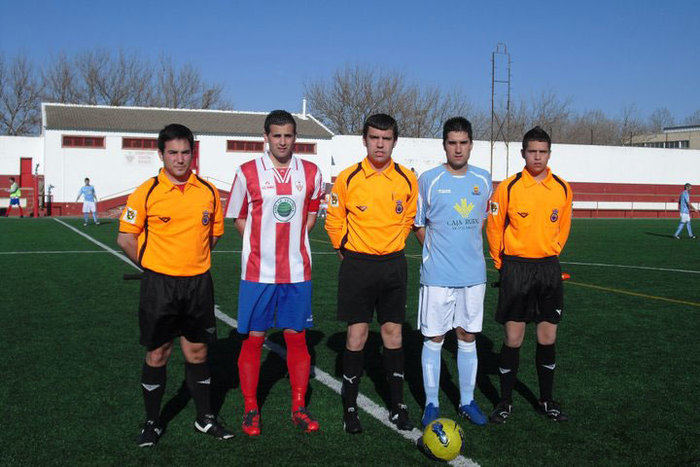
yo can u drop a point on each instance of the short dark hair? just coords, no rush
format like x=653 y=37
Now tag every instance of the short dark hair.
x=381 y=122
x=457 y=124
x=687 y=185
x=279 y=117
x=174 y=131
x=12 y=178
x=87 y=179
x=537 y=134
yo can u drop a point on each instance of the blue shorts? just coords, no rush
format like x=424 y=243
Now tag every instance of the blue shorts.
x=14 y=201
x=264 y=306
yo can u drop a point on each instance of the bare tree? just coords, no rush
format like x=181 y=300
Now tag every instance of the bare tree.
x=660 y=118
x=351 y=94
x=693 y=119
x=20 y=92
x=61 y=83
x=183 y=88
x=592 y=127
x=630 y=124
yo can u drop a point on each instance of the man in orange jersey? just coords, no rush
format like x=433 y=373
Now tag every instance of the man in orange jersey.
x=527 y=229
x=169 y=226
x=369 y=216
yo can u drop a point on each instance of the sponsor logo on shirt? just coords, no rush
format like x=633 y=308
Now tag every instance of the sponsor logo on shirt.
x=164 y=219
x=464 y=209
x=446 y=191
x=554 y=216
x=523 y=214
x=362 y=208
x=494 y=208
x=205 y=217
x=284 y=209
x=130 y=215
x=268 y=185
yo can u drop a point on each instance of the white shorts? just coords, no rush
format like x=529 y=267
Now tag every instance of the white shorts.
x=443 y=308
x=89 y=206
x=685 y=217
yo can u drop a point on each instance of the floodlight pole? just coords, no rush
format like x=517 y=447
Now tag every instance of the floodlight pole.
x=500 y=126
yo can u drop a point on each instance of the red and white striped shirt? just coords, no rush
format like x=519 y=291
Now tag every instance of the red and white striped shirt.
x=275 y=204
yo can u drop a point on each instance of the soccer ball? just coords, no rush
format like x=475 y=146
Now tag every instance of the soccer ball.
x=443 y=439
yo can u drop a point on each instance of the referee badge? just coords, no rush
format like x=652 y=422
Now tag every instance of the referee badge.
x=205 y=217
x=334 y=200
x=494 y=208
x=554 y=216
x=399 y=206
x=130 y=215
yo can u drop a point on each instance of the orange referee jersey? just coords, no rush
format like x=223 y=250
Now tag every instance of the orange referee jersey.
x=372 y=212
x=529 y=219
x=174 y=226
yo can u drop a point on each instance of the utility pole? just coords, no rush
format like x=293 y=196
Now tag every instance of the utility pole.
x=500 y=100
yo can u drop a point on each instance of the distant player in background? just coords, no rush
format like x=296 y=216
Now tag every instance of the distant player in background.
x=15 y=194
x=169 y=226
x=528 y=226
x=685 y=207
x=452 y=206
x=89 y=202
x=274 y=200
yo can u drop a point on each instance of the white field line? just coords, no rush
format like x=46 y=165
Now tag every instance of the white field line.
x=648 y=268
x=366 y=404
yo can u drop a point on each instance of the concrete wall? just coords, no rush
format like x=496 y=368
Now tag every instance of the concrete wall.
x=12 y=148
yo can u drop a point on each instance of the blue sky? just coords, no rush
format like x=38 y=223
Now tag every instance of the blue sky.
x=603 y=55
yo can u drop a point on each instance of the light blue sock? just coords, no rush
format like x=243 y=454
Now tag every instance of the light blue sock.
x=430 y=361
x=94 y=216
x=678 y=230
x=690 y=230
x=85 y=216
x=467 y=364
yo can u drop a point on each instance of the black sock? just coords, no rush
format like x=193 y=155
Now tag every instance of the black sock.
x=153 y=388
x=508 y=370
x=198 y=379
x=353 y=361
x=545 y=360
x=393 y=365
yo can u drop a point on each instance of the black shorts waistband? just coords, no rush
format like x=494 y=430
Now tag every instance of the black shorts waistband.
x=520 y=259
x=155 y=273
x=358 y=255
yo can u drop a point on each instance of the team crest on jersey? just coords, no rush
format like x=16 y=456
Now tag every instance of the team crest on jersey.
x=284 y=209
x=494 y=208
x=300 y=185
x=334 y=199
x=399 y=206
x=205 y=217
x=554 y=216
x=476 y=190
x=130 y=215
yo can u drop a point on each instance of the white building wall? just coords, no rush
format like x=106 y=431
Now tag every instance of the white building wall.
x=13 y=148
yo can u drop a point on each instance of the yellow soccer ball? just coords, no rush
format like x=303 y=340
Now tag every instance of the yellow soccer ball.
x=443 y=439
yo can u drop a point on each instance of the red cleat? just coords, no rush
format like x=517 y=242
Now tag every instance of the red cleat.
x=304 y=420
x=251 y=423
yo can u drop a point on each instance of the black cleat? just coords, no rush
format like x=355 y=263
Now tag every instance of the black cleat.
x=399 y=417
x=351 y=421
x=150 y=434
x=210 y=426
x=552 y=410
x=501 y=412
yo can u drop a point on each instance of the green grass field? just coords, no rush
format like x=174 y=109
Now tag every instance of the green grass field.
x=627 y=360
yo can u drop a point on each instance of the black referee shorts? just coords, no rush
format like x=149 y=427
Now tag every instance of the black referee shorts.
x=531 y=290
x=369 y=282
x=172 y=306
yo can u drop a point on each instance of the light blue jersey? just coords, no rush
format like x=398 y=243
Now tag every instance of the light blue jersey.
x=684 y=201
x=88 y=192
x=452 y=209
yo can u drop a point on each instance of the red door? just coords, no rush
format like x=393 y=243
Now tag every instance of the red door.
x=25 y=172
x=195 y=158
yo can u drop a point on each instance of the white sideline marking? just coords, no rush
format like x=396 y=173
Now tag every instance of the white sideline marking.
x=53 y=252
x=687 y=271
x=365 y=403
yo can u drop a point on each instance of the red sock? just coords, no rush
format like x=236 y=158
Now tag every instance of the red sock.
x=249 y=370
x=298 y=364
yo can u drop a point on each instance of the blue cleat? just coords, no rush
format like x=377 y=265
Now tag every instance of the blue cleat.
x=473 y=413
x=430 y=414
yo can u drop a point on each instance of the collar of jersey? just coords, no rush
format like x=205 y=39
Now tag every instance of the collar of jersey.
x=529 y=181
x=268 y=165
x=369 y=170
x=162 y=178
